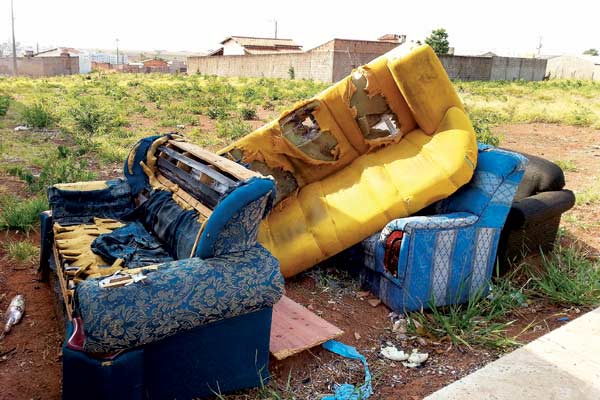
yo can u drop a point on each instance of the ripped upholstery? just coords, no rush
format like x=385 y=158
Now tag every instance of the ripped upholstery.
x=132 y=244
x=79 y=203
x=397 y=149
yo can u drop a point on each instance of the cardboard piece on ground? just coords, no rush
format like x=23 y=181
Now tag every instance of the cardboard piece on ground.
x=295 y=329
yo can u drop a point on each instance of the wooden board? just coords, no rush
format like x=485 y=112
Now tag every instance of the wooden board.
x=222 y=163
x=295 y=328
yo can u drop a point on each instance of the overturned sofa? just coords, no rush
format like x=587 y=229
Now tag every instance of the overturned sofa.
x=387 y=141
x=166 y=292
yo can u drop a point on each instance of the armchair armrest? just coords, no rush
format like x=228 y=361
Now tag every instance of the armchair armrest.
x=81 y=201
x=413 y=230
x=176 y=296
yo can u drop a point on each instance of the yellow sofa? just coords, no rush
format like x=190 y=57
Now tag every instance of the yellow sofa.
x=383 y=143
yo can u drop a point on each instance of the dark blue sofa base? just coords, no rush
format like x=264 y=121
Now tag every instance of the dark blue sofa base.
x=219 y=357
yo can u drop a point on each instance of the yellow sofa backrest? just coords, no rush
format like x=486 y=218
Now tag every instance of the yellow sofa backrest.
x=384 y=142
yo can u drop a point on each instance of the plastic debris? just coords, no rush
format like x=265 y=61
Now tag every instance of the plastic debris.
x=409 y=360
x=564 y=319
x=400 y=326
x=392 y=353
x=14 y=313
x=22 y=128
x=415 y=359
x=348 y=391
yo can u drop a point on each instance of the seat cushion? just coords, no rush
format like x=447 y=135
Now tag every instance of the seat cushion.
x=328 y=216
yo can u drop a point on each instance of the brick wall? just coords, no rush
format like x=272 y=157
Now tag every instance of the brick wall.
x=41 y=66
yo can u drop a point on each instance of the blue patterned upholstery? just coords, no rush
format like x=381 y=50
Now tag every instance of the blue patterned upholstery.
x=179 y=296
x=184 y=328
x=446 y=257
x=72 y=206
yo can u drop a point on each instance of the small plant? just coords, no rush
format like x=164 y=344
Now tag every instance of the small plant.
x=567 y=165
x=90 y=118
x=4 y=104
x=568 y=277
x=20 y=214
x=248 y=113
x=588 y=196
x=292 y=72
x=217 y=112
x=21 y=252
x=36 y=116
x=232 y=128
x=480 y=321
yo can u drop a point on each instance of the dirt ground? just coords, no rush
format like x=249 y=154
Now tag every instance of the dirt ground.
x=30 y=363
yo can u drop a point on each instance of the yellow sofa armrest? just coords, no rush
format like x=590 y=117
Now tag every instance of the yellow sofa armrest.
x=425 y=85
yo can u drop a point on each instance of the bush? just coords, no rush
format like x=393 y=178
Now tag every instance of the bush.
x=36 y=116
x=4 y=104
x=20 y=214
x=90 y=118
x=248 y=113
x=217 y=112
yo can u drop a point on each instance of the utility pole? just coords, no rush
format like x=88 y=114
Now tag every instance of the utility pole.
x=539 y=47
x=117 y=51
x=275 y=29
x=14 y=45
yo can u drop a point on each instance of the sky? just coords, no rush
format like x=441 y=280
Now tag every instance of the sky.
x=506 y=27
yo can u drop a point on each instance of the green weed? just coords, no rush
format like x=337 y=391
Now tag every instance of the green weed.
x=481 y=321
x=568 y=277
x=247 y=113
x=20 y=214
x=36 y=116
x=21 y=252
x=4 y=104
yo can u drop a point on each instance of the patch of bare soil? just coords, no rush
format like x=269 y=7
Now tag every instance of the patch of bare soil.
x=30 y=365
x=33 y=369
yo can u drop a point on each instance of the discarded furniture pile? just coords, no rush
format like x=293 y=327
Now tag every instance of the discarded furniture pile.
x=172 y=277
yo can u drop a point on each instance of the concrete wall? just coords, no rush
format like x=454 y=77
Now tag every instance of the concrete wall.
x=467 y=68
x=36 y=67
x=471 y=68
x=311 y=65
x=335 y=59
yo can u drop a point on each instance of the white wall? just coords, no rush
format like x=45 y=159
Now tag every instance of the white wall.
x=231 y=48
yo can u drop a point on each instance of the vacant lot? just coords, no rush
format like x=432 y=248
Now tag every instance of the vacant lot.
x=83 y=127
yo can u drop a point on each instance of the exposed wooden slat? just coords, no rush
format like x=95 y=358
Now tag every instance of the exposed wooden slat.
x=295 y=328
x=233 y=168
x=199 y=167
x=185 y=197
x=204 y=193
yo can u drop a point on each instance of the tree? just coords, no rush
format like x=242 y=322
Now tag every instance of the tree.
x=591 y=52
x=438 y=40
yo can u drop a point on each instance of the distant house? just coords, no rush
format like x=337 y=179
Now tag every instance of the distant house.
x=242 y=45
x=155 y=65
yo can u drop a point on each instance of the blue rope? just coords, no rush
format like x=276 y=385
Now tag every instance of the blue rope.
x=348 y=391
